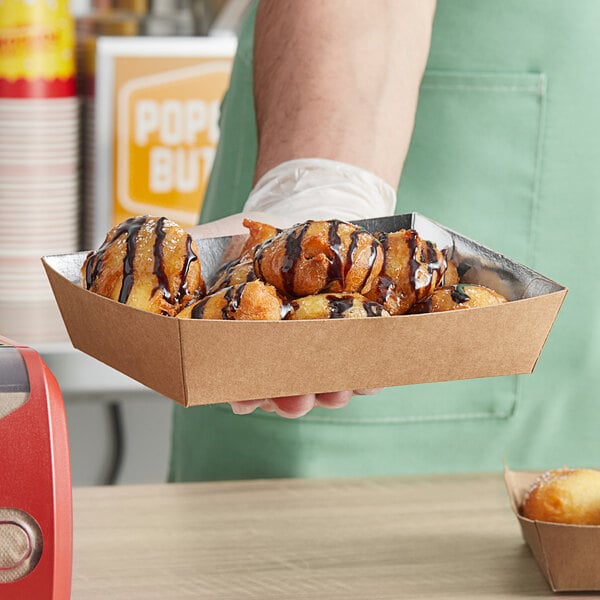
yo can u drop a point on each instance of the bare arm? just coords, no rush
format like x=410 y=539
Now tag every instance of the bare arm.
x=339 y=79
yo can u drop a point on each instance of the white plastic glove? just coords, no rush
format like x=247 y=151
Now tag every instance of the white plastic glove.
x=317 y=188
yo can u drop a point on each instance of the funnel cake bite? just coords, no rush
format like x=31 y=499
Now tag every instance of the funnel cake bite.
x=335 y=306
x=146 y=262
x=412 y=269
x=457 y=297
x=233 y=273
x=252 y=301
x=258 y=233
x=241 y=269
x=320 y=256
x=569 y=496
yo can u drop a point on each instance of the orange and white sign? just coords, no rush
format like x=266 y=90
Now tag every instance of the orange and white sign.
x=163 y=123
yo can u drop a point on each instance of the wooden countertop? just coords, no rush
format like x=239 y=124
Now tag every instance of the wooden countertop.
x=369 y=539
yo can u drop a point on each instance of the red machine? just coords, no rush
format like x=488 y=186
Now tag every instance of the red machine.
x=35 y=480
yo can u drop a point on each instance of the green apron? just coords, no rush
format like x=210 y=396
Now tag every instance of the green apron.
x=506 y=150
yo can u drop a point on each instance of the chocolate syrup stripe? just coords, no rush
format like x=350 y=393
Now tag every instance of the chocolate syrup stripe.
x=159 y=261
x=199 y=307
x=373 y=309
x=130 y=227
x=428 y=259
x=432 y=259
x=340 y=265
x=384 y=285
x=232 y=296
x=336 y=270
x=94 y=259
x=293 y=249
x=458 y=294
x=128 y=269
x=413 y=263
x=224 y=275
x=159 y=266
x=190 y=257
x=355 y=235
x=338 y=305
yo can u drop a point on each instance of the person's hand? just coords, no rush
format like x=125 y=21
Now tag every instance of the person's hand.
x=292 y=407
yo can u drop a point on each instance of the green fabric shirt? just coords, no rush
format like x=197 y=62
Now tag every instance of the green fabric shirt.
x=506 y=151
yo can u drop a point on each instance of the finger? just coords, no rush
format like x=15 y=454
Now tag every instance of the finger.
x=267 y=405
x=293 y=407
x=333 y=400
x=245 y=407
x=367 y=391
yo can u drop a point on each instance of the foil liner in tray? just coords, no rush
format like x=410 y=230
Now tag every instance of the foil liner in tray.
x=204 y=361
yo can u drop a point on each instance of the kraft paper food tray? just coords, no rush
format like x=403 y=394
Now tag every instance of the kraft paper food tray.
x=206 y=361
x=567 y=555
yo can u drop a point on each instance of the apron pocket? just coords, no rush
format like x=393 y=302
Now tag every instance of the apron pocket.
x=475 y=157
x=474 y=166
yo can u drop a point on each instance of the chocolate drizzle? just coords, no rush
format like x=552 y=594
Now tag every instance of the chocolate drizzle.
x=355 y=236
x=373 y=309
x=383 y=238
x=293 y=248
x=130 y=227
x=233 y=297
x=190 y=257
x=458 y=294
x=287 y=308
x=128 y=269
x=159 y=261
x=434 y=264
x=384 y=288
x=384 y=285
x=336 y=271
x=413 y=262
x=338 y=305
x=224 y=276
x=424 y=263
x=199 y=307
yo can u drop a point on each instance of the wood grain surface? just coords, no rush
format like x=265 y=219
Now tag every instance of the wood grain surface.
x=437 y=537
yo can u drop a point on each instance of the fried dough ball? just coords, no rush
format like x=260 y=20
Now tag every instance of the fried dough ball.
x=252 y=301
x=233 y=273
x=460 y=296
x=564 y=495
x=412 y=269
x=320 y=256
x=450 y=274
x=146 y=262
x=258 y=233
x=335 y=306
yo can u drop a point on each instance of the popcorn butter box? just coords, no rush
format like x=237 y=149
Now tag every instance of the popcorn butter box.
x=568 y=555
x=195 y=362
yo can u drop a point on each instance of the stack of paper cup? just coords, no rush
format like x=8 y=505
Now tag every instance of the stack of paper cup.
x=39 y=164
x=115 y=23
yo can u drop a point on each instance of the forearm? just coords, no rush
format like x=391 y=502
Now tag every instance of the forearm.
x=339 y=79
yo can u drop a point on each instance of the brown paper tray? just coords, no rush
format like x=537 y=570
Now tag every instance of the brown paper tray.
x=567 y=555
x=204 y=361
